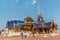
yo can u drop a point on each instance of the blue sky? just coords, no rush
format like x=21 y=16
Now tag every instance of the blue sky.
x=18 y=9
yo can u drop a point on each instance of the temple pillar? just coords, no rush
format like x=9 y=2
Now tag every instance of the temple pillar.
x=52 y=30
x=47 y=31
x=44 y=31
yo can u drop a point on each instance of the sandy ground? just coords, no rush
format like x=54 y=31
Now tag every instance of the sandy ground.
x=57 y=37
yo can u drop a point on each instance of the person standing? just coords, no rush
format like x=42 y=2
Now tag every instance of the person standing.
x=22 y=34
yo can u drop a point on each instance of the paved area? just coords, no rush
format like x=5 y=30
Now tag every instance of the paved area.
x=57 y=37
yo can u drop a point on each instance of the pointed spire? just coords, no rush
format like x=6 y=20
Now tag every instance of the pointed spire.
x=38 y=8
x=39 y=14
x=40 y=18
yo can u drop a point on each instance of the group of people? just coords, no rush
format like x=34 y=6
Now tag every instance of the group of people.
x=25 y=35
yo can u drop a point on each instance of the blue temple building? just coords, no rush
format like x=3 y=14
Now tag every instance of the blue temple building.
x=29 y=25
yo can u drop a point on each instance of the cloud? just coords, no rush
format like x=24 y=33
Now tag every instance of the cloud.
x=34 y=2
x=17 y=1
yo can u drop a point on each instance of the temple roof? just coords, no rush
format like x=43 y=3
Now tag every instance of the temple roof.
x=45 y=25
x=9 y=23
x=29 y=18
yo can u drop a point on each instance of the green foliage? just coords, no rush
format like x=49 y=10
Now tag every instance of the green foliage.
x=0 y=32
